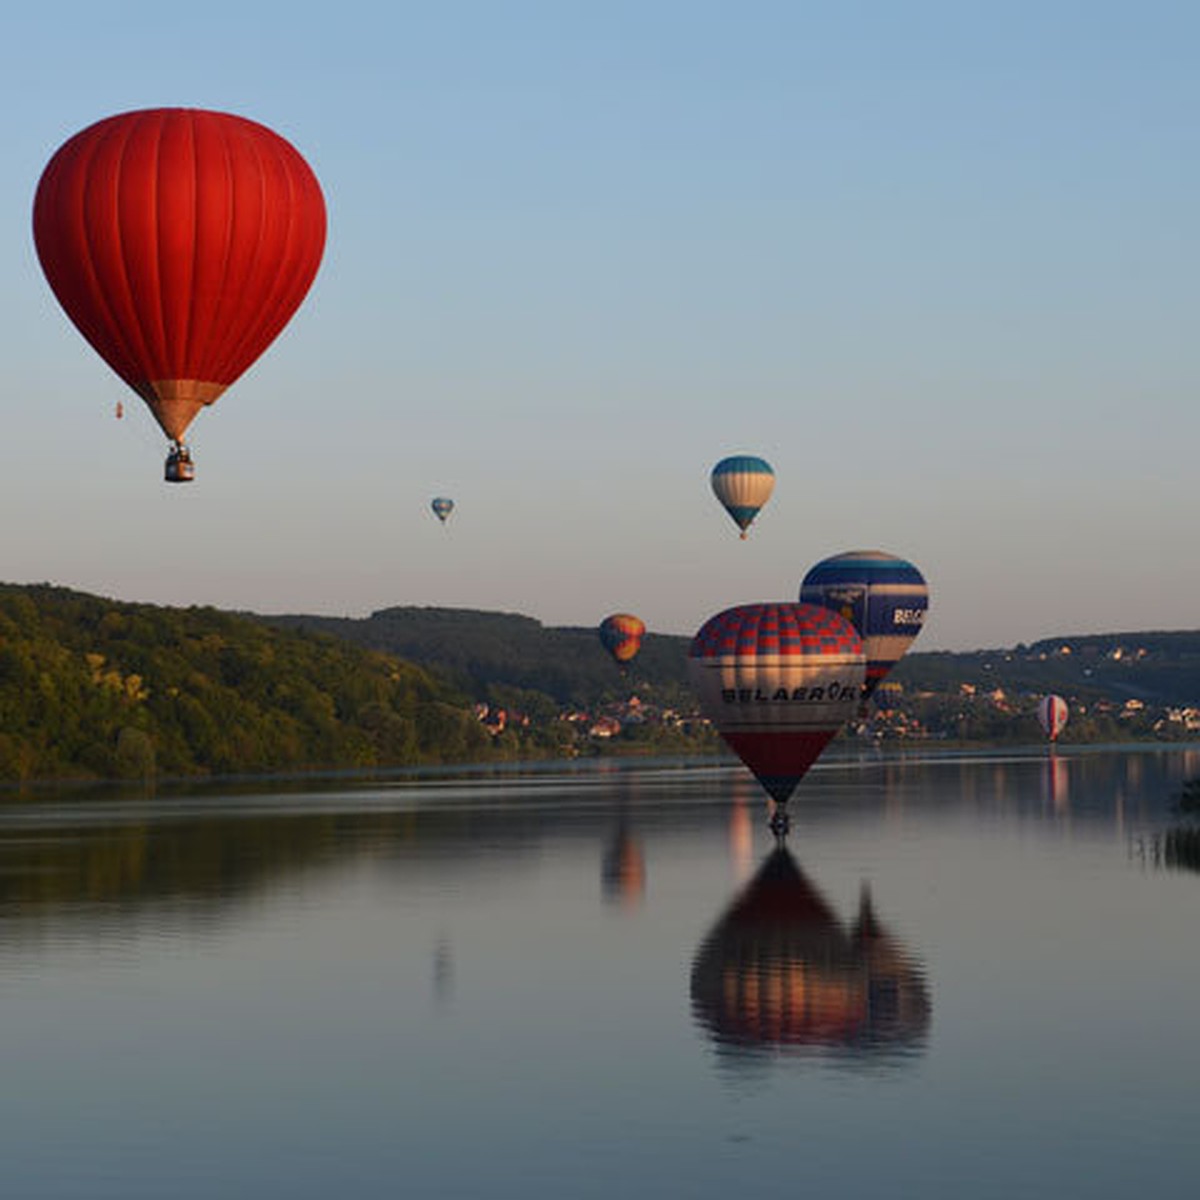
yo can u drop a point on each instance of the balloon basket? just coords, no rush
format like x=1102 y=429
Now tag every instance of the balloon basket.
x=179 y=467
x=780 y=822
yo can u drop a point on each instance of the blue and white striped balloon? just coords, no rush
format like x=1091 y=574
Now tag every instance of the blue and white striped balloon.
x=883 y=596
x=743 y=483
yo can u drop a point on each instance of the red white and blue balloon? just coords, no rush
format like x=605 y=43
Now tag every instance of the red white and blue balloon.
x=1052 y=716
x=778 y=681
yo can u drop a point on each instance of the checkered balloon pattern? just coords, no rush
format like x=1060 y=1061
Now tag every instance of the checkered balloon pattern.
x=776 y=629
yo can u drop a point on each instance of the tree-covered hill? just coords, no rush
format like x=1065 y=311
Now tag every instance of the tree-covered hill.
x=92 y=688
x=97 y=688
x=1161 y=668
x=497 y=656
x=480 y=651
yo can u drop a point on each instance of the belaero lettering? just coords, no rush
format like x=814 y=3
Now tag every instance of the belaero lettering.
x=798 y=695
x=908 y=616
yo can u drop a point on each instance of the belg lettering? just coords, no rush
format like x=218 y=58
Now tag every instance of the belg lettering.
x=908 y=616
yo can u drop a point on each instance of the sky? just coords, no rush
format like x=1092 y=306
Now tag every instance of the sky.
x=936 y=262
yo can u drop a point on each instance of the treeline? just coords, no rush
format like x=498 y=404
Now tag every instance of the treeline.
x=505 y=658
x=98 y=689
x=484 y=653
x=92 y=688
x=1161 y=668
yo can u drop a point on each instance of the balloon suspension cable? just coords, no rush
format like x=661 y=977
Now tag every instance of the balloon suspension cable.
x=780 y=824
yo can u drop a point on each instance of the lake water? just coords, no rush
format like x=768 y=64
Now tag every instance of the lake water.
x=962 y=976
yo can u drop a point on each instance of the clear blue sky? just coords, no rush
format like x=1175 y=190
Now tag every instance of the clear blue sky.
x=937 y=262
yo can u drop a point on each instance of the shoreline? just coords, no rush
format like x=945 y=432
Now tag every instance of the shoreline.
x=838 y=757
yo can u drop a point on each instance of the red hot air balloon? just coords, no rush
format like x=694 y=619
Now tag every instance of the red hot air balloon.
x=180 y=242
x=778 y=681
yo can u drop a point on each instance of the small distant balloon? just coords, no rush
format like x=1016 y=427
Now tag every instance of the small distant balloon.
x=621 y=635
x=1052 y=716
x=442 y=507
x=778 y=681
x=742 y=483
x=884 y=597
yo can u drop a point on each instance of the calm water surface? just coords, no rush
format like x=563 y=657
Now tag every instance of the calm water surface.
x=961 y=976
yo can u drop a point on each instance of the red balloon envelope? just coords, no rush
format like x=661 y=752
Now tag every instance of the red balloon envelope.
x=180 y=242
x=778 y=681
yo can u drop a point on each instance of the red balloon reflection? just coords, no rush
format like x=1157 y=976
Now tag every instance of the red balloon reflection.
x=780 y=972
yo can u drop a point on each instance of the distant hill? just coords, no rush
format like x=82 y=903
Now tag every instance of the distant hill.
x=480 y=651
x=1159 y=668
x=92 y=688
x=489 y=654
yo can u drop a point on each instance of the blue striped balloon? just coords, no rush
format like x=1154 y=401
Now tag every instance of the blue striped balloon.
x=883 y=596
x=442 y=507
x=743 y=483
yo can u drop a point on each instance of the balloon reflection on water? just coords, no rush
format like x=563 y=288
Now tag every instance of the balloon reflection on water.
x=780 y=974
x=623 y=870
x=1057 y=788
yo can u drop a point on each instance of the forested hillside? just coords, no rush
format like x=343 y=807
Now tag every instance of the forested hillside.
x=497 y=656
x=1161 y=668
x=95 y=688
x=481 y=651
x=92 y=688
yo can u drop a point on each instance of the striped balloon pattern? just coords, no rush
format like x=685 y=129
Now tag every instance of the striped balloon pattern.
x=1052 y=716
x=621 y=635
x=442 y=507
x=778 y=681
x=743 y=484
x=883 y=596
x=781 y=971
